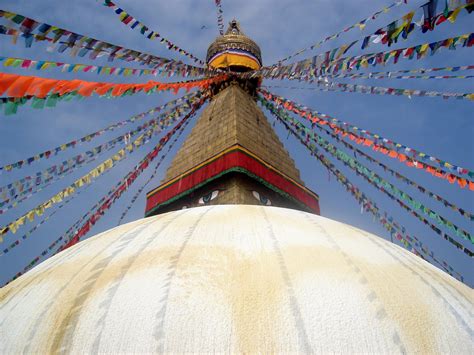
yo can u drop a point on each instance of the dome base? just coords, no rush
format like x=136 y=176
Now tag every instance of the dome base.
x=236 y=278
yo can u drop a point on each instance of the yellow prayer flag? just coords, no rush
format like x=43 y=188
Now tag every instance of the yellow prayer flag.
x=123 y=15
x=13 y=227
x=94 y=173
x=109 y=163
x=454 y=15
x=408 y=18
x=79 y=183
x=424 y=48
x=40 y=210
x=9 y=62
x=21 y=221
x=30 y=215
x=56 y=198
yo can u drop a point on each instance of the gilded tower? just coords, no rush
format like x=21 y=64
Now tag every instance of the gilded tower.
x=232 y=155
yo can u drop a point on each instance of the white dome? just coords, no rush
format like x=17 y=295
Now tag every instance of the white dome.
x=236 y=279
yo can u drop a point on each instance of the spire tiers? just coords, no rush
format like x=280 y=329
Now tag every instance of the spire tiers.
x=232 y=156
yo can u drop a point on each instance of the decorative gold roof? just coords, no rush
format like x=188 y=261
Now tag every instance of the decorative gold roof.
x=234 y=50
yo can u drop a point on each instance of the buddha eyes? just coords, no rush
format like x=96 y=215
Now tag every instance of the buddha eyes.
x=263 y=199
x=208 y=197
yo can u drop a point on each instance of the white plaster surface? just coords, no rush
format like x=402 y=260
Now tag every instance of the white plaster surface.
x=231 y=279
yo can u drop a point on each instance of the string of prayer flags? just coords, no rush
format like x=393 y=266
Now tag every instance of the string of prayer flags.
x=220 y=17
x=76 y=232
x=326 y=63
x=405 y=25
x=397 y=175
x=11 y=104
x=31 y=184
x=411 y=157
x=62 y=40
x=75 y=68
x=82 y=181
x=153 y=174
x=388 y=222
x=26 y=194
x=402 y=27
x=412 y=206
x=409 y=203
x=324 y=85
x=65 y=202
x=85 y=223
x=382 y=58
x=129 y=20
x=45 y=219
x=16 y=86
x=422 y=70
x=360 y=25
x=87 y=138
x=391 y=75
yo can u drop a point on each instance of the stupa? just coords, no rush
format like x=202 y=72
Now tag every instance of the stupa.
x=235 y=258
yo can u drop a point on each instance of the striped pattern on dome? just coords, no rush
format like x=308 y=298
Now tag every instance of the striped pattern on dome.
x=236 y=278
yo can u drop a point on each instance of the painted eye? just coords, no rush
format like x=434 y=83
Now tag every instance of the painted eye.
x=263 y=199
x=208 y=197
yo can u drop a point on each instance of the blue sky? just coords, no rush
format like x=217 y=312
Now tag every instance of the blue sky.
x=443 y=128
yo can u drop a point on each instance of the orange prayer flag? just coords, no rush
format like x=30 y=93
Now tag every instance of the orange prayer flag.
x=104 y=89
x=462 y=182
x=393 y=154
x=120 y=89
x=116 y=89
x=88 y=88
x=35 y=85
x=67 y=86
x=471 y=185
x=368 y=142
x=149 y=86
x=20 y=86
x=6 y=80
x=451 y=178
x=42 y=87
x=402 y=157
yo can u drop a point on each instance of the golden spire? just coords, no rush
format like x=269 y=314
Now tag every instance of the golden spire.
x=234 y=51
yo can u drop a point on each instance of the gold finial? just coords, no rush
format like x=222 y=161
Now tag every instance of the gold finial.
x=234 y=51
